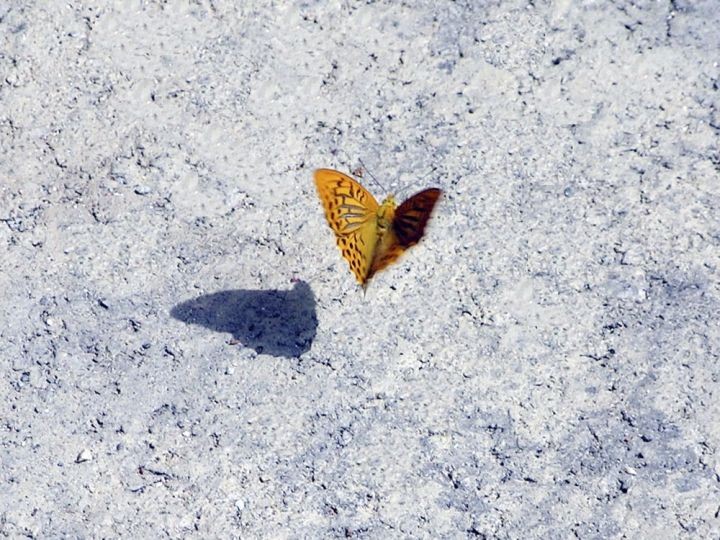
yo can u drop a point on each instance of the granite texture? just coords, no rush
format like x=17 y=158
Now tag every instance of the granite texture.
x=184 y=353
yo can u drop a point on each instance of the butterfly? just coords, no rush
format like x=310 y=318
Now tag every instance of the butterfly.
x=371 y=236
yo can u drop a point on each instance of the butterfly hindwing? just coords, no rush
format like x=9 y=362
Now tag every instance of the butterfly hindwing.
x=351 y=212
x=388 y=251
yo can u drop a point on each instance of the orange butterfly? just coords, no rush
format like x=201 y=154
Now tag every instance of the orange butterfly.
x=371 y=236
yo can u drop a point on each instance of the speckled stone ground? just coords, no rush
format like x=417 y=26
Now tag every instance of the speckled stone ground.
x=183 y=352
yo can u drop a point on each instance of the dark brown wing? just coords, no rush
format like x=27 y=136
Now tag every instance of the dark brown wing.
x=412 y=216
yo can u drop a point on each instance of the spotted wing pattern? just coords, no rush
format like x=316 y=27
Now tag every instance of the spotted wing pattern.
x=351 y=211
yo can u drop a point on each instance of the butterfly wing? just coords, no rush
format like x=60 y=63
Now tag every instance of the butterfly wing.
x=351 y=211
x=408 y=227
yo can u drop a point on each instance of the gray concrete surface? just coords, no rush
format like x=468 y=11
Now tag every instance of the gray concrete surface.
x=183 y=352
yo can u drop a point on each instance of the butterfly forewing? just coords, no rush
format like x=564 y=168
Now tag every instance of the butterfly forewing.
x=412 y=216
x=351 y=212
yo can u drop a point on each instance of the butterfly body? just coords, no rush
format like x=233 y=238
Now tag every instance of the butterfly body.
x=386 y=214
x=371 y=236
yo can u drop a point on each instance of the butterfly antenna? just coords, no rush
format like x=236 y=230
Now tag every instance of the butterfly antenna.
x=372 y=176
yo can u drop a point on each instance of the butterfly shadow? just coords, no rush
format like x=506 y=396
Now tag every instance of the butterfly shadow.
x=275 y=322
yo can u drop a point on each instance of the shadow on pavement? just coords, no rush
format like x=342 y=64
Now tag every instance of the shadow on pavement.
x=274 y=322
